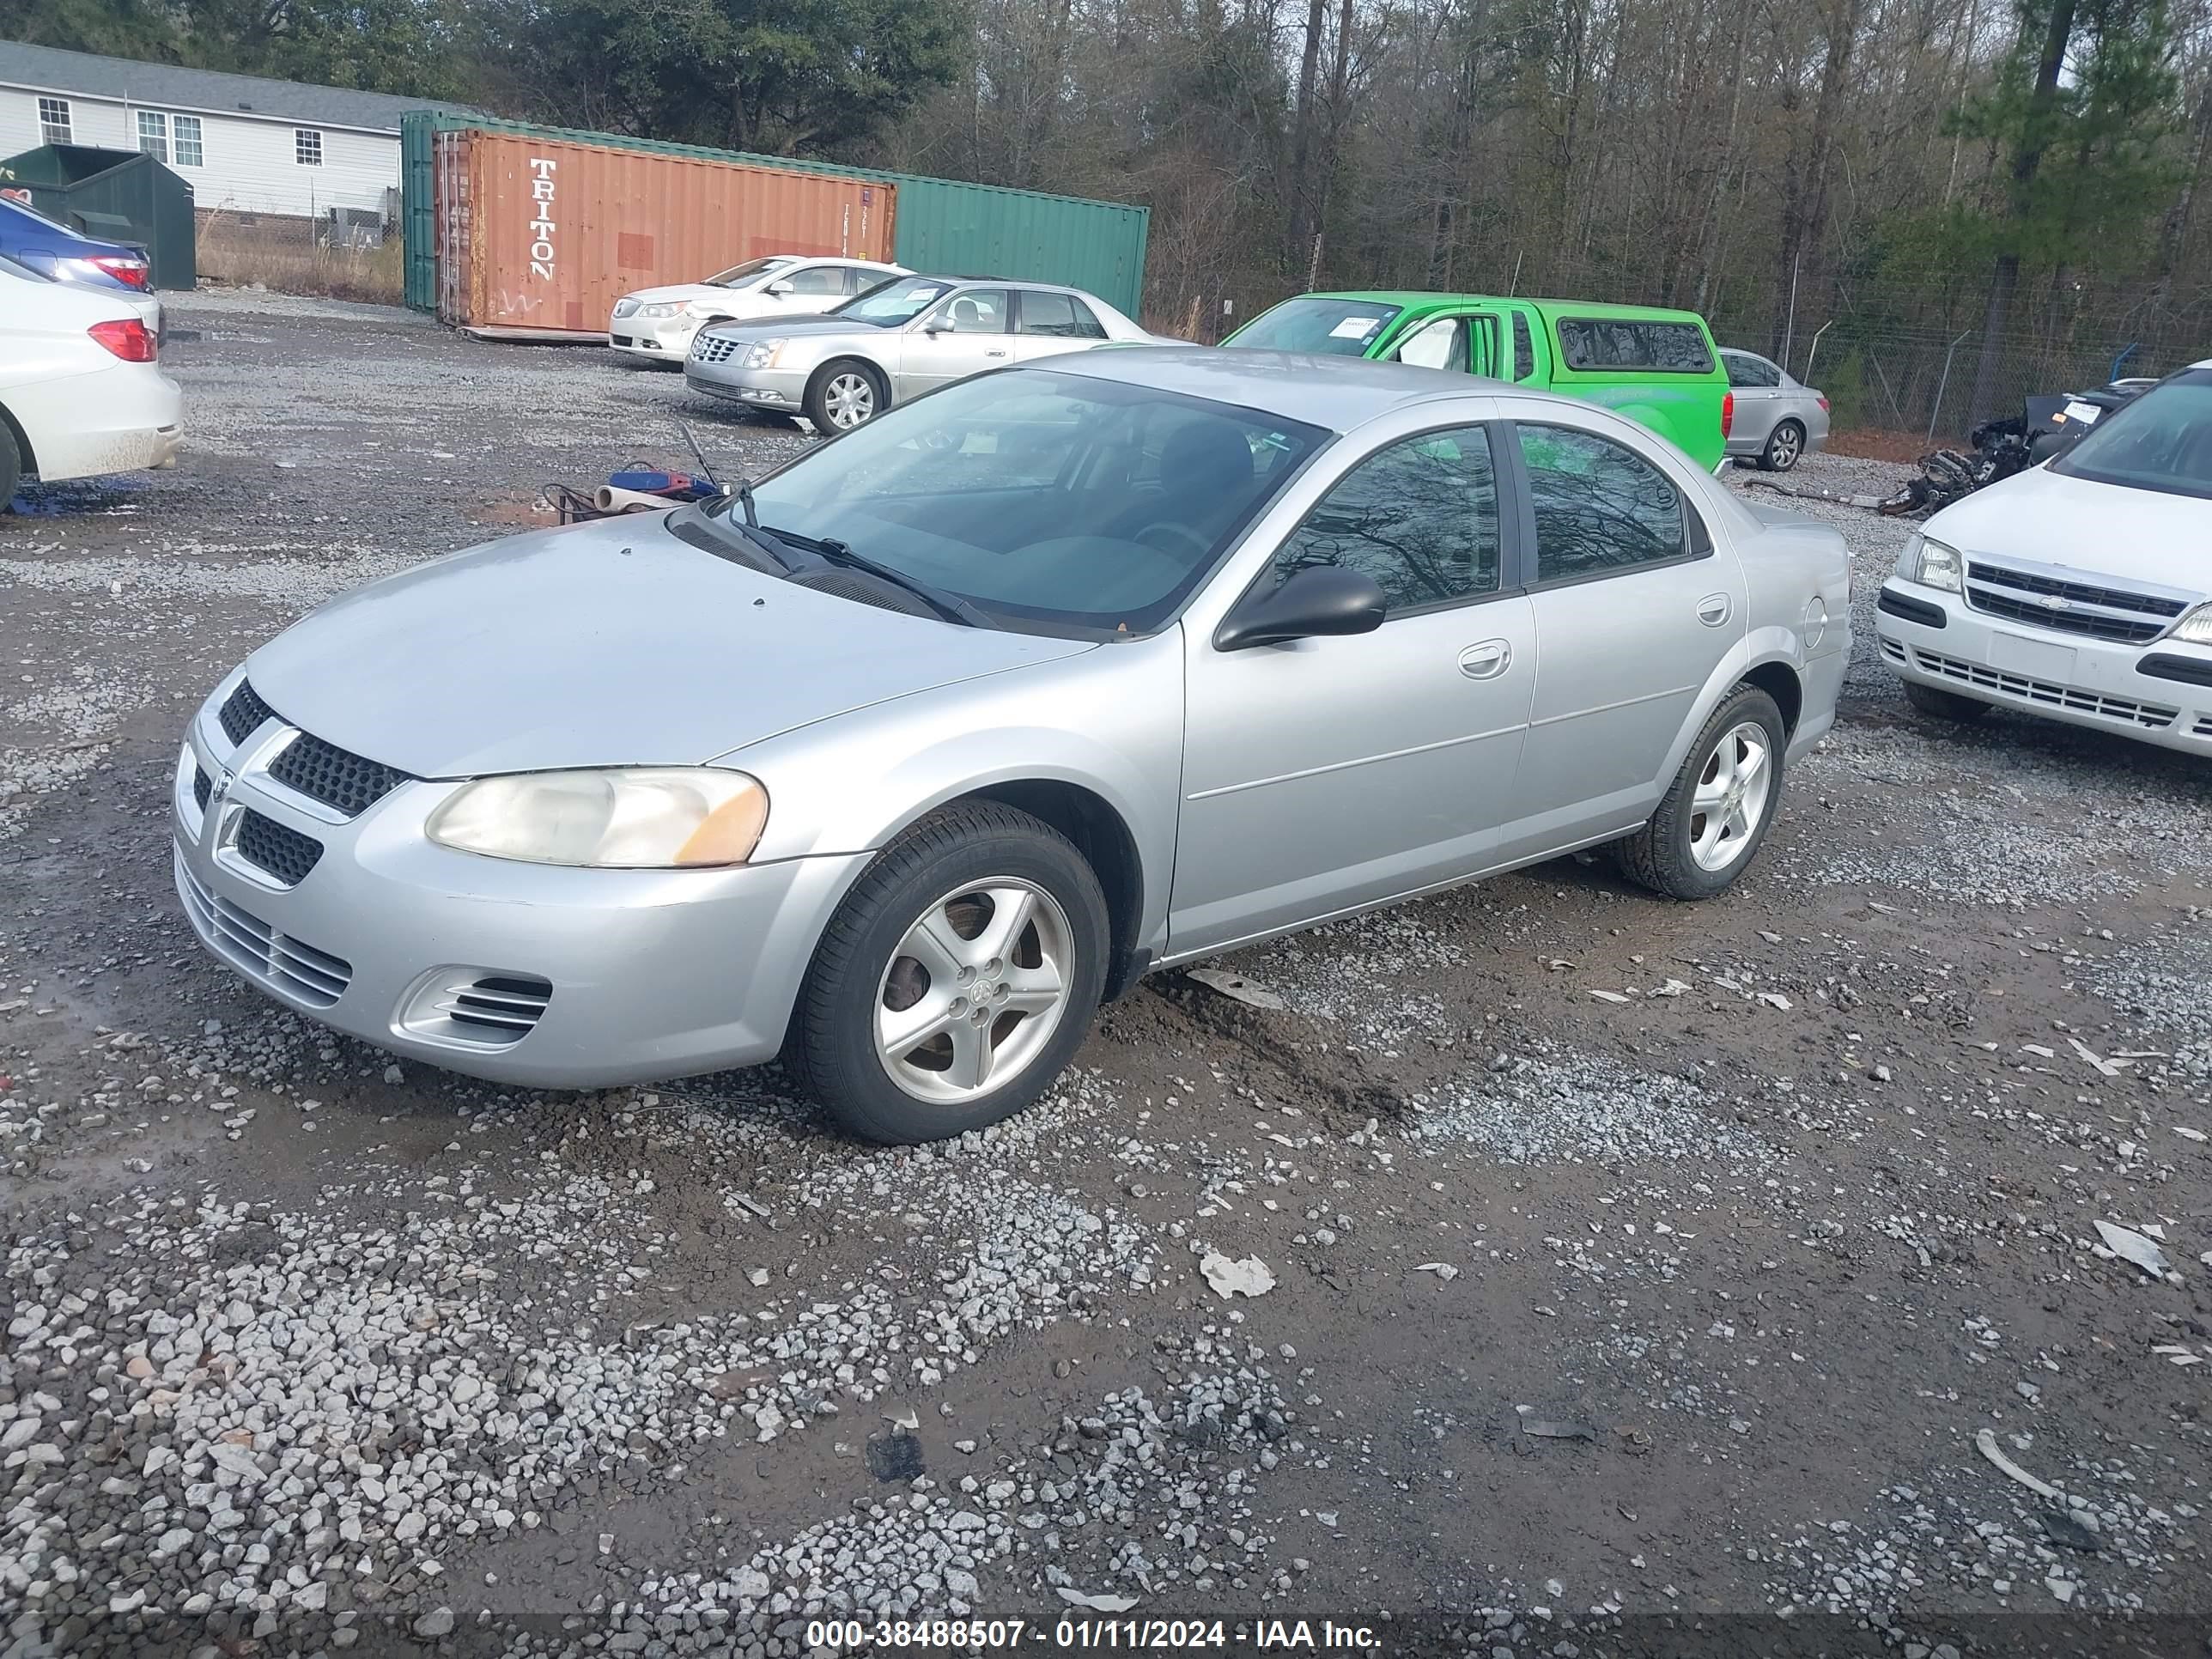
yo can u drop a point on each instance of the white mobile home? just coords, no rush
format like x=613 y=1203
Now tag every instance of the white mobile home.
x=248 y=146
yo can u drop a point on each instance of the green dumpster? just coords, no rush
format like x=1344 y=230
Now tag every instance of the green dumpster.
x=115 y=195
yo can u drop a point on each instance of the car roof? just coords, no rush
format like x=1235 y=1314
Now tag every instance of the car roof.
x=1427 y=299
x=1335 y=393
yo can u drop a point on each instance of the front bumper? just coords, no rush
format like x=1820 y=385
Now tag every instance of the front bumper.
x=2058 y=675
x=783 y=389
x=658 y=340
x=523 y=973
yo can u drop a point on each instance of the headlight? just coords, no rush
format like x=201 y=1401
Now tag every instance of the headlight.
x=2196 y=627
x=761 y=354
x=659 y=309
x=1938 y=566
x=624 y=307
x=664 y=818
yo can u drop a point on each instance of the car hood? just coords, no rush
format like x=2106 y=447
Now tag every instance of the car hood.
x=680 y=292
x=608 y=643
x=2143 y=535
x=788 y=327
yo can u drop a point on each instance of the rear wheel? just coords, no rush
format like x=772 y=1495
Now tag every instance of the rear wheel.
x=845 y=394
x=956 y=981
x=1784 y=446
x=1943 y=705
x=1718 y=810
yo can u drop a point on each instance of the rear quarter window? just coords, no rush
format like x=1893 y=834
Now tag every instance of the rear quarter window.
x=1608 y=344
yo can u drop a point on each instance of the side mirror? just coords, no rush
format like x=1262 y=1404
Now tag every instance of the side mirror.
x=935 y=326
x=1321 y=599
x=779 y=287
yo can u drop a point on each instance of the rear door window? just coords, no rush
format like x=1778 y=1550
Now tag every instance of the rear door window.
x=1601 y=343
x=1062 y=316
x=1749 y=372
x=1601 y=508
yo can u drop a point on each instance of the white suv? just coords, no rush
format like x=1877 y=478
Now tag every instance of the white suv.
x=2079 y=590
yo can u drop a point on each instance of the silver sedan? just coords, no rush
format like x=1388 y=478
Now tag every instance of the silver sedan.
x=1778 y=420
x=898 y=341
x=900 y=762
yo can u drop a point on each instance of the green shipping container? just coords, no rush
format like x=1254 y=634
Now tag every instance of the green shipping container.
x=116 y=196
x=942 y=225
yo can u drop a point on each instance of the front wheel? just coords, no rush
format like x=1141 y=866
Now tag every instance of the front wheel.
x=1717 y=811
x=845 y=395
x=956 y=981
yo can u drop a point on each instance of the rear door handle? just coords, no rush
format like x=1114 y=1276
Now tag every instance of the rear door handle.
x=1713 y=609
x=1487 y=661
x=995 y=354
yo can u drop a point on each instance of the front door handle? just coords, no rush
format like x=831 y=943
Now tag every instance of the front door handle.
x=995 y=354
x=1487 y=661
x=1713 y=609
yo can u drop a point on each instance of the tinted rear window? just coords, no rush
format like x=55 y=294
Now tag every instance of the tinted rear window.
x=1607 y=342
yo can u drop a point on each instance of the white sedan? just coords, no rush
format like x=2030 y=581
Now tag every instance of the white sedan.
x=655 y=325
x=80 y=394
x=2079 y=590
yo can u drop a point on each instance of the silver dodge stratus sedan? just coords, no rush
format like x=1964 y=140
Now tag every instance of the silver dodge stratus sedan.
x=901 y=761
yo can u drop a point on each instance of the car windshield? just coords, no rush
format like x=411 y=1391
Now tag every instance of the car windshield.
x=1336 y=328
x=2161 y=441
x=1053 y=501
x=889 y=303
x=746 y=275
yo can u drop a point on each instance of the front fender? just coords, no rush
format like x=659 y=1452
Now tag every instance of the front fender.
x=1108 y=722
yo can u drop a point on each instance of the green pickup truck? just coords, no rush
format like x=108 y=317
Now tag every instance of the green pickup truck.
x=1657 y=367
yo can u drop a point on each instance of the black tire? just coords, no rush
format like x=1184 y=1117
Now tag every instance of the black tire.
x=1658 y=856
x=817 y=401
x=1943 y=705
x=11 y=467
x=831 y=1048
x=1785 y=445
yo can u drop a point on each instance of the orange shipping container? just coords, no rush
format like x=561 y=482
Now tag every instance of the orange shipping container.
x=545 y=234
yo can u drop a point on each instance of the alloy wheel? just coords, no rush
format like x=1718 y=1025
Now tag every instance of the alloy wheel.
x=974 y=990
x=1783 y=446
x=1730 y=801
x=851 y=399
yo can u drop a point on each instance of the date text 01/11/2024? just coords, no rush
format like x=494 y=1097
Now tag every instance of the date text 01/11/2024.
x=975 y=1634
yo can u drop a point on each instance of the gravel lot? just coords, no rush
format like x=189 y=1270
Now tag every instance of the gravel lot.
x=1596 y=1326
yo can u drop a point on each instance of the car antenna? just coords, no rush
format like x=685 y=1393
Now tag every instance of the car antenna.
x=742 y=488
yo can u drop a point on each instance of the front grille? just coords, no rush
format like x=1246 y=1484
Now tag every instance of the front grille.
x=243 y=712
x=2147 y=715
x=1893 y=650
x=713 y=349
x=2069 y=607
x=624 y=307
x=202 y=786
x=622 y=339
x=254 y=948
x=2203 y=728
x=323 y=771
x=284 y=852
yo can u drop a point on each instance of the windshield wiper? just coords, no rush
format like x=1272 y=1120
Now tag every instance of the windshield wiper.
x=950 y=606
